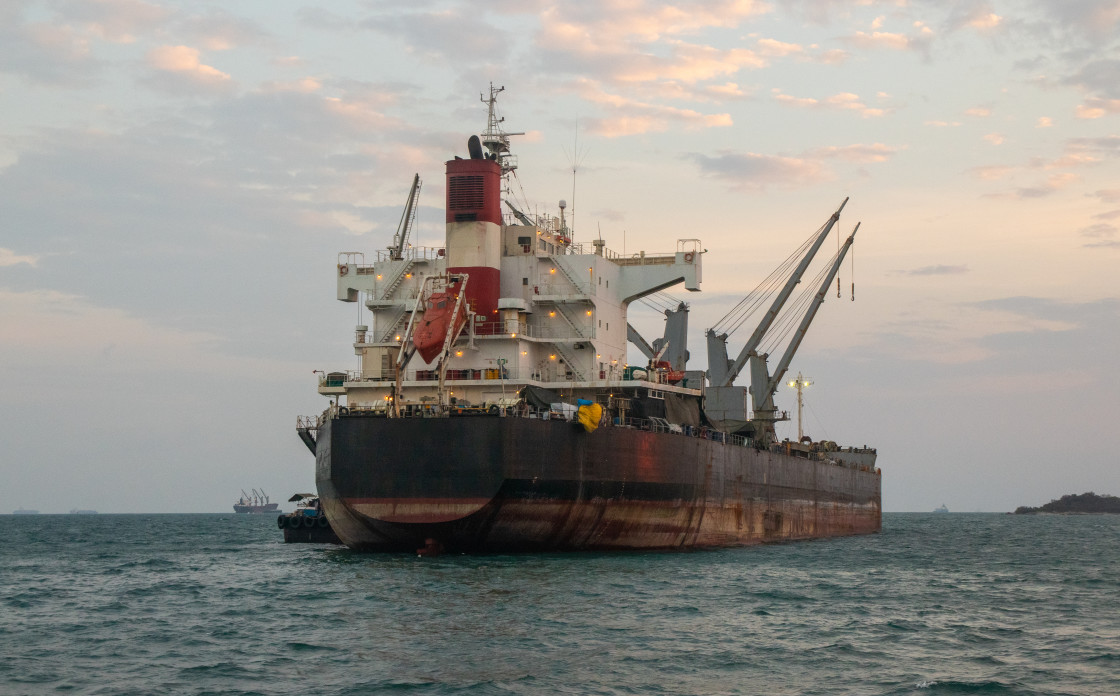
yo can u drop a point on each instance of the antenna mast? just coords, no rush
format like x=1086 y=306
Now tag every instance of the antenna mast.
x=799 y=384
x=495 y=139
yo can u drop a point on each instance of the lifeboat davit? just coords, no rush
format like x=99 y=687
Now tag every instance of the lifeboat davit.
x=671 y=376
x=431 y=332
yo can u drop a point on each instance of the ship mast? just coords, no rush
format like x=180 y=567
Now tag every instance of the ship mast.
x=495 y=139
x=799 y=384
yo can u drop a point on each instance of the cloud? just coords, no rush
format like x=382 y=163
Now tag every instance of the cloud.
x=942 y=124
x=919 y=40
x=118 y=21
x=979 y=111
x=644 y=21
x=1097 y=108
x=11 y=258
x=1044 y=122
x=994 y=138
x=306 y=85
x=750 y=170
x=833 y=56
x=772 y=48
x=1108 y=195
x=875 y=152
x=1099 y=76
x=754 y=171
x=184 y=61
x=218 y=30
x=991 y=172
x=456 y=34
x=1093 y=20
x=633 y=117
x=44 y=52
x=1106 y=146
x=1102 y=235
x=844 y=101
x=647 y=51
x=1054 y=183
x=985 y=21
x=936 y=270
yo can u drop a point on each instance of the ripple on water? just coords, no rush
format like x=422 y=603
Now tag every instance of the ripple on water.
x=957 y=604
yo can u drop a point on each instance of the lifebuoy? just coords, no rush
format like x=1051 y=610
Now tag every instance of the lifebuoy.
x=294 y=522
x=493 y=409
x=688 y=257
x=322 y=521
x=309 y=522
x=343 y=269
x=280 y=521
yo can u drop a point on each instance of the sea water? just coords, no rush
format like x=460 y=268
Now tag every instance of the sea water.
x=217 y=604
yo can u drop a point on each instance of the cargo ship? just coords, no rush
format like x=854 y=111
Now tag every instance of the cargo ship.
x=254 y=504
x=493 y=409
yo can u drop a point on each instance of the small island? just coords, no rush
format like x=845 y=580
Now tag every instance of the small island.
x=1076 y=504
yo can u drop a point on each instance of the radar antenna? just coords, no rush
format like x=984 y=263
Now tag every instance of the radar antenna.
x=495 y=139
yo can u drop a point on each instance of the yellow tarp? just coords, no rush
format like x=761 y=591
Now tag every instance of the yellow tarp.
x=588 y=416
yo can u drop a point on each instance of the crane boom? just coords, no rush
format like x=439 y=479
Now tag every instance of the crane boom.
x=726 y=379
x=766 y=393
x=396 y=251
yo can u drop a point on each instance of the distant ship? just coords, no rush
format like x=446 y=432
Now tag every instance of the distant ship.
x=76 y=511
x=493 y=409
x=254 y=504
x=22 y=511
x=941 y=509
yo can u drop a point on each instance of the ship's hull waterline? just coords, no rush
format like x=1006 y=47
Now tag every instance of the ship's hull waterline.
x=486 y=484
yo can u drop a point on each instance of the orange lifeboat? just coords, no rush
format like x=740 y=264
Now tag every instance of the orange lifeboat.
x=671 y=376
x=431 y=332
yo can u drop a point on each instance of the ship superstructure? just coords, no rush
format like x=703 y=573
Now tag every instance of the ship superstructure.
x=512 y=321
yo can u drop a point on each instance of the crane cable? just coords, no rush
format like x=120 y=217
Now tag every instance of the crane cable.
x=746 y=307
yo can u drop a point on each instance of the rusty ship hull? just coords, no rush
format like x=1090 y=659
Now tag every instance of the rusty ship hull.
x=523 y=484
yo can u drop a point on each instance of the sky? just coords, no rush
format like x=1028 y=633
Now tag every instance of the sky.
x=178 y=178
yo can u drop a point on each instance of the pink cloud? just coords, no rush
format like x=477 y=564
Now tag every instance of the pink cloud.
x=844 y=101
x=11 y=258
x=183 y=60
x=751 y=170
x=991 y=172
x=632 y=117
x=770 y=47
x=875 y=152
x=1097 y=108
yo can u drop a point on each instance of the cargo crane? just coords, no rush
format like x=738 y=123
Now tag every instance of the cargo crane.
x=670 y=352
x=725 y=404
x=408 y=219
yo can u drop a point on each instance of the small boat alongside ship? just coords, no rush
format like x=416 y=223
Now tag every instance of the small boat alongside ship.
x=306 y=524
x=566 y=447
